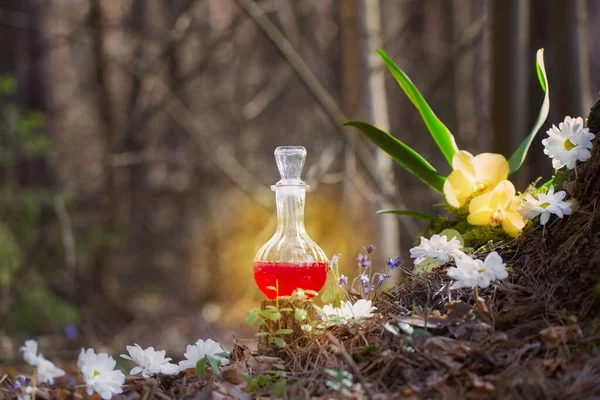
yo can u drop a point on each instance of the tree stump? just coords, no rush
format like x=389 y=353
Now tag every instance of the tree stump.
x=287 y=321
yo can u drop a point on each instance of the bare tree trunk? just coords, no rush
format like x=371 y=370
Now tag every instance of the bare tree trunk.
x=511 y=62
x=350 y=97
x=463 y=74
x=389 y=235
x=571 y=57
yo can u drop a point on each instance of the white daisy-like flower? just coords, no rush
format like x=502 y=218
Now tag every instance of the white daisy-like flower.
x=545 y=205
x=349 y=312
x=471 y=272
x=568 y=143
x=27 y=393
x=99 y=374
x=30 y=352
x=199 y=350
x=438 y=248
x=149 y=361
x=47 y=371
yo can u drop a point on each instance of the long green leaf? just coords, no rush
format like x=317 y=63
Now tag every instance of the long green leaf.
x=414 y=214
x=440 y=133
x=402 y=154
x=516 y=160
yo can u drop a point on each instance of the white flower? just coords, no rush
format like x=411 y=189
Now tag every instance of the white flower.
x=362 y=309
x=406 y=328
x=99 y=374
x=568 y=143
x=545 y=205
x=199 y=350
x=47 y=371
x=471 y=272
x=437 y=248
x=395 y=329
x=349 y=312
x=391 y=328
x=28 y=393
x=149 y=361
x=30 y=352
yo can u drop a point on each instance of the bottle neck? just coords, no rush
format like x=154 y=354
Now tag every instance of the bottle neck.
x=290 y=209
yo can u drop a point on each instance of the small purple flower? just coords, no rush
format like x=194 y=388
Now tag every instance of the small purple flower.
x=369 y=249
x=71 y=331
x=394 y=263
x=333 y=260
x=343 y=281
x=363 y=261
x=320 y=316
x=363 y=279
x=20 y=382
x=382 y=277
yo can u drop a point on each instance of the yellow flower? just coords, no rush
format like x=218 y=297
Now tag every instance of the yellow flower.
x=498 y=207
x=471 y=175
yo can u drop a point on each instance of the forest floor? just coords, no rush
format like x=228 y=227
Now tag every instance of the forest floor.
x=508 y=345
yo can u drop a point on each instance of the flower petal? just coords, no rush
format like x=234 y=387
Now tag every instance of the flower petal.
x=504 y=194
x=513 y=223
x=490 y=168
x=463 y=160
x=458 y=188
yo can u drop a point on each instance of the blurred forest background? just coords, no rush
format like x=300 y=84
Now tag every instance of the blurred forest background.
x=137 y=138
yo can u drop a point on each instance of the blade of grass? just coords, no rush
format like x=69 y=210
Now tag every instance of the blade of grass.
x=518 y=157
x=402 y=154
x=440 y=133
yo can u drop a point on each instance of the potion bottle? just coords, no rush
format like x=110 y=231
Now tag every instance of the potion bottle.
x=290 y=259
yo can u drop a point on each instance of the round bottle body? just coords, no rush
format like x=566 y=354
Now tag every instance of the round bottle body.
x=290 y=260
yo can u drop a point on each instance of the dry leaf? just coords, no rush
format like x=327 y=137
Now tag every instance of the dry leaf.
x=554 y=336
x=448 y=351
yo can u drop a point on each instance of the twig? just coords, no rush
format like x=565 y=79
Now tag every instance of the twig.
x=351 y=364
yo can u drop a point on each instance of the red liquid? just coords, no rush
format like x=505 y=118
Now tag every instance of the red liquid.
x=291 y=276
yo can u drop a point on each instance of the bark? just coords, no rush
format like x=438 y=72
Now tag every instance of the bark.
x=378 y=115
x=510 y=71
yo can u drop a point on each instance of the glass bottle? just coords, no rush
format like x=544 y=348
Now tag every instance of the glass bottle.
x=290 y=259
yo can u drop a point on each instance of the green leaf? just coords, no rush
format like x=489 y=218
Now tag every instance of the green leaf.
x=300 y=314
x=548 y=184
x=414 y=214
x=422 y=332
x=285 y=331
x=311 y=292
x=453 y=233
x=200 y=366
x=286 y=309
x=427 y=265
x=215 y=364
x=402 y=154
x=253 y=317
x=279 y=342
x=260 y=334
x=516 y=160
x=440 y=133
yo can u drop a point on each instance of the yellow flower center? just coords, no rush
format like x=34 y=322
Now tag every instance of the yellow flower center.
x=96 y=373
x=497 y=217
x=568 y=145
x=544 y=205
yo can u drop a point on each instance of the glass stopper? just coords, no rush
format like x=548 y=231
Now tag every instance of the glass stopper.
x=290 y=162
